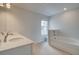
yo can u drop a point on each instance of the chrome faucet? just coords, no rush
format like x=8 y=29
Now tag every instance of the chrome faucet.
x=6 y=35
x=2 y=33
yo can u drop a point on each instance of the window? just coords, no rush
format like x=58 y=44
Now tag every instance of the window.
x=44 y=27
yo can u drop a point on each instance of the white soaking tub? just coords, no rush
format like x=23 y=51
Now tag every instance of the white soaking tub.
x=16 y=45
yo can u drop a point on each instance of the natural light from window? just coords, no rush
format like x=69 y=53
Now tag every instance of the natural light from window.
x=44 y=27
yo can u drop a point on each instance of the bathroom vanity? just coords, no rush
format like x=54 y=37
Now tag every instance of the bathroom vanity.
x=16 y=45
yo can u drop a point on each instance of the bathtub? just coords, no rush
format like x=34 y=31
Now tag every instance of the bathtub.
x=16 y=45
x=69 y=45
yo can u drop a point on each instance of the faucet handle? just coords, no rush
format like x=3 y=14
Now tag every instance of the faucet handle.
x=2 y=33
x=0 y=40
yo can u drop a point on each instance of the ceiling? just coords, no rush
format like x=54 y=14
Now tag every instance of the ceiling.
x=47 y=9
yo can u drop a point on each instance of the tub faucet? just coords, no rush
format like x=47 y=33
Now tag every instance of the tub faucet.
x=2 y=33
x=7 y=34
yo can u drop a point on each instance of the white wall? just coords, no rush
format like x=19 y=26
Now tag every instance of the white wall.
x=67 y=23
x=22 y=21
x=2 y=19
